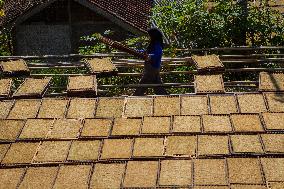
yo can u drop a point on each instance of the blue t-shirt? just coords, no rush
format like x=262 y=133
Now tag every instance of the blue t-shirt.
x=156 y=53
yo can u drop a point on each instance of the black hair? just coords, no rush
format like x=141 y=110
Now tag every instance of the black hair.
x=155 y=36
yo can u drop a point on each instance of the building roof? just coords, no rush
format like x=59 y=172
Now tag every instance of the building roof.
x=134 y=12
x=207 y=139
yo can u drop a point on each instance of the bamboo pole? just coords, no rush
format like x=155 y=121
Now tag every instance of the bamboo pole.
x=181 y=72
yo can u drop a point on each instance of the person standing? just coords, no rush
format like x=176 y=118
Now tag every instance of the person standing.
x=152 y=65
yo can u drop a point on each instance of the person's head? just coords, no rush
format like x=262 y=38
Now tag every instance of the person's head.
x=156 y=36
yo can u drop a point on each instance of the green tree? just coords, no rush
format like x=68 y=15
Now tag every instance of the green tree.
x=219 y=23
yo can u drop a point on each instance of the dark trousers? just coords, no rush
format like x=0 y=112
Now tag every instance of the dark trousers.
x=150 y=76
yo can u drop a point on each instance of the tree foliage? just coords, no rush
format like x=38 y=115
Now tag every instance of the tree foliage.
x=200 y=24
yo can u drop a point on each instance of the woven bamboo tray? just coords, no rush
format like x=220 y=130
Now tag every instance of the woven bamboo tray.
x=10 y=129
x=15 y=68
x=52 y=151
x=126 y=127
x=273 y=143
x=248 y=186
x=251 y=103
x=96 y=128
x=3 y=150
x=65 y=129
x=145 y=174
x=81 y=108
x=39 y=177
x=223 y=104
x=138 y=107
x=210 y=172
x=10 y=178
x=194 y=105
x=20 y=153
x=5 y=87
x=181 y=146
x=247 y=123
x=166 y=106
x=5 y=109
x=25 y=108
x=275 y=101
x=32 y=88
x=244 y=171
x=110 y=107
x=83 y=86
x=273 y=169
x=156 y=125
x=53 y=108
x=271 y=81
x=216 y=124
x=107 y=175
x=36 y=129
x=84 y=150
x=208 y=63
x=273 y=121
x=208 y=84
x=213 y=145
x=186 y=124
x=101 y=66
x=176 y=173
x=73 y=176
x=116 y=149
x=148 y=147
x=246 y=144
x=276 y=185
